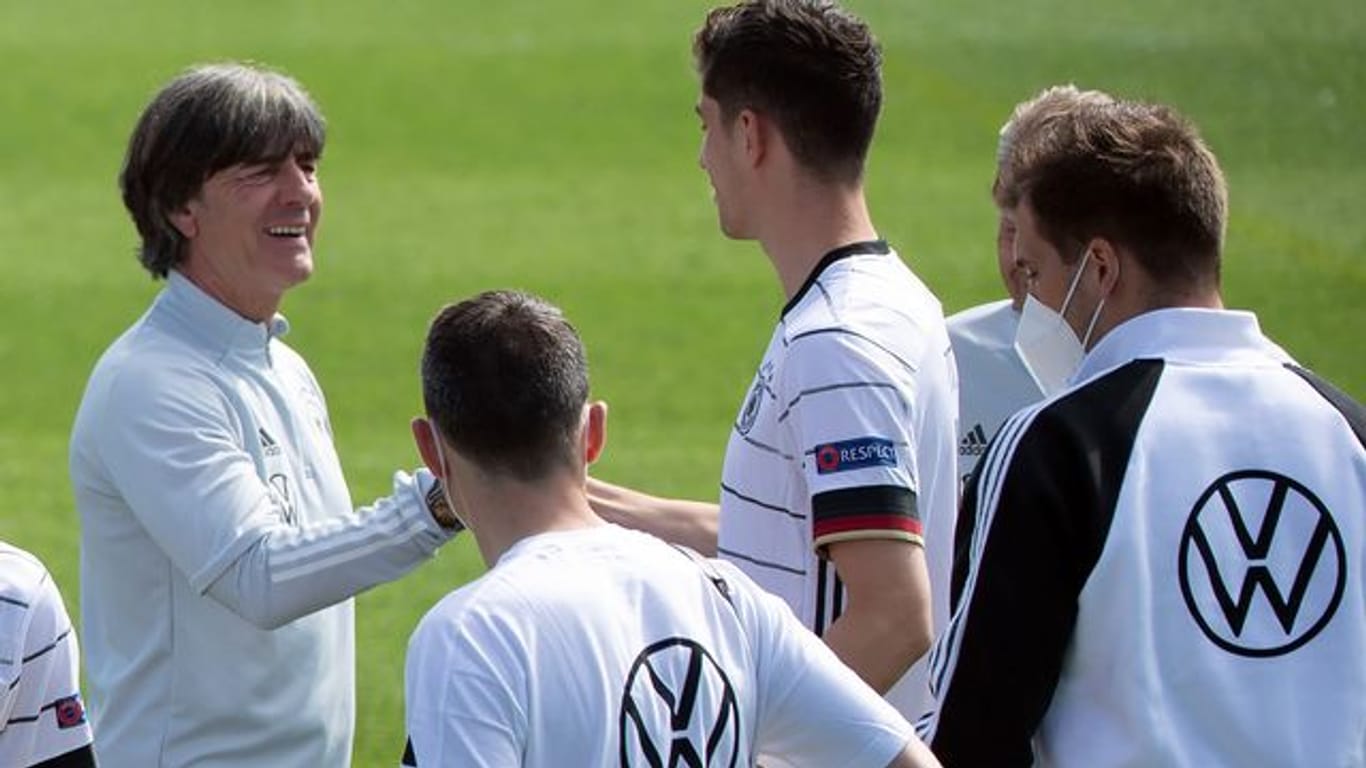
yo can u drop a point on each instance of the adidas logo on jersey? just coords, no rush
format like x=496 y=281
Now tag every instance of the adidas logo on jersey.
x=974 y=443
x=268 y=445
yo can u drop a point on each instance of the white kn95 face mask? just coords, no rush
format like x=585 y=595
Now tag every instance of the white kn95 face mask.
x=1045 y=342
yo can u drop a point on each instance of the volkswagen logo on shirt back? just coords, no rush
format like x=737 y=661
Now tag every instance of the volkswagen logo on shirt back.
x=1262 y=564
x=678 y=709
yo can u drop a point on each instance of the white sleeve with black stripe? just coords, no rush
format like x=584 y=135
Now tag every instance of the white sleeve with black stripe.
x=1033 y=522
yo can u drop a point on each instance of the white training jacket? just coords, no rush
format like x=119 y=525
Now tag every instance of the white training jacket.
x=219 y=546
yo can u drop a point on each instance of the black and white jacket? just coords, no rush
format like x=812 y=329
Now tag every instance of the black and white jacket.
x=1163 y=565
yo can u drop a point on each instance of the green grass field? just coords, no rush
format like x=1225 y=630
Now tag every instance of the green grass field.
x=551 y=146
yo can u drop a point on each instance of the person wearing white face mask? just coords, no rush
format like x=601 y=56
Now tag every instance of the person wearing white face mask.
x=995 y=379
x=1158 y=564
x=1048 y=346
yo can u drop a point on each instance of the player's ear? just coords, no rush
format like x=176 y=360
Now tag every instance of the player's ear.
x=424 y=434
x=594 y=430
x=1107 y=260
x=184 y=221
x=752 y=134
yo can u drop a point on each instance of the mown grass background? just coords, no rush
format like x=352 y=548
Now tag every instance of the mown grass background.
x=551 y=146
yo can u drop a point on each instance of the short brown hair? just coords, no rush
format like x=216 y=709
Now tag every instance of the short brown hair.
x=1138 y=175
x=1029 y=121
x=505 y=378
x=811 y=66
x=209 y=118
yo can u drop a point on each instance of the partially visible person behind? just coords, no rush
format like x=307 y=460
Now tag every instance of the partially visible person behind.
x=995 y=378
x=219 y=546
x=1166 y=562
x=587 y=644
x=839 y=484
x=42 y=718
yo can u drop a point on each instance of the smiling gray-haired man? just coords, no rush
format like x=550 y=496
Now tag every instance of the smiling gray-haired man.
x=219 y=546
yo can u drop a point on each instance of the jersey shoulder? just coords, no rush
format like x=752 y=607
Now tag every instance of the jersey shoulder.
x=869 y=302
x=22 y=576
x=985 y=325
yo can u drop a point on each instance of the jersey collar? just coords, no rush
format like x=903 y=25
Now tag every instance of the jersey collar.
x=875 y=247
x=222 y=329
x=1186 y=334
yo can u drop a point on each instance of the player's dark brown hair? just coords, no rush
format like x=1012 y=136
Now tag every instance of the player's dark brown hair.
x=505 y=379
x=209 y=118
x=1029 y=122
x=809 y=65
x=1138 y=175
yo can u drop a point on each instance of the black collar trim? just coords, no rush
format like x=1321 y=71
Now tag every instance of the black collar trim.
x=877 y=247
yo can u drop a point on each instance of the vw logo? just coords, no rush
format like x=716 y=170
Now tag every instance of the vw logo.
x=1262 y=564
x=678 y=709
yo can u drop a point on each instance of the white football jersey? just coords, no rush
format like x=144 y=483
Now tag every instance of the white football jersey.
x=605 y=646
x=847 y=432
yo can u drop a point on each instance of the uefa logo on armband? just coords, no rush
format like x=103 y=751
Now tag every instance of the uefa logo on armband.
x=859 y=453
x=69 y=711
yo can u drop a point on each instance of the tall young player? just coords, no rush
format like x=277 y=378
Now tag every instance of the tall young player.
x=839 y=484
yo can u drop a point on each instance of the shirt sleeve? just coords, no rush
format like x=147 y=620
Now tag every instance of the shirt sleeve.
x=813 y=711
x=461 y=696
x=174 y=448
x=849 y=404
x=1035 y=519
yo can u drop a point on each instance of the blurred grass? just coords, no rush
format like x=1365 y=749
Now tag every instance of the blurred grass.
x=552 y=147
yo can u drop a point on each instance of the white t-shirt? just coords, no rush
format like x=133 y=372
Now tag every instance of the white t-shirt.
x=41 y=714
x=604 y=646
x=846 y=432
x=993 y=382
x=219 y=546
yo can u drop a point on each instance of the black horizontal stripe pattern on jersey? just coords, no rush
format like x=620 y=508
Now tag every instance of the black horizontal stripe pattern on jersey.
x=771 y=507
x=864 y=500
x=761 y=563
x=833 y=387
x=908 y=365
x=81 y=757
x=48 y=648
x=13 y=601
x=763 y=446
x=34 y=718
